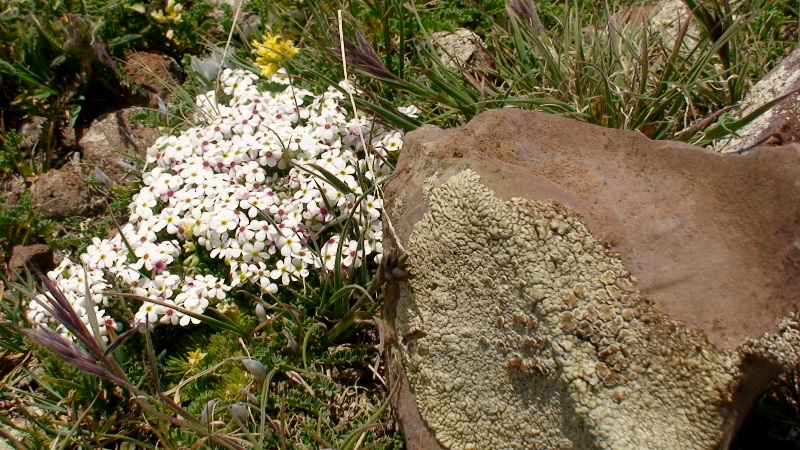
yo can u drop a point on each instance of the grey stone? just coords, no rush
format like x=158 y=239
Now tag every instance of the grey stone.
x=780 y=124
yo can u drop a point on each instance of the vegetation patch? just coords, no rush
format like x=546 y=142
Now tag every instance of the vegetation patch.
x=230 y=296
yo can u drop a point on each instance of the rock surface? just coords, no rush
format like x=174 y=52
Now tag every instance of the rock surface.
x=153 y=72
x=779 y=125
x=61 y=193
x=666 y=20
x=39 y=254
x=521 y=304
x=112 y=139
x=461 y=49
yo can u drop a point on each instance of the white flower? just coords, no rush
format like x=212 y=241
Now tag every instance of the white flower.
x=307 y=257
x=317 y=212
x=254 y=173
x=228 y=250
x=245 y=234
x=264 y=231
x=207 y=103
x=170 y=315
x=373 y=206
x=238 y=275
x=283 y=270
x=256 y=203
x=254 y=252
x=307 y=194
x=129 y=276
x=148 y=254
x=164 y=284
x=144 y=199
x=101 y=255
x=351 y=256
x=289 y=244
x=392 y=142
x=281 y=213
x=149 y=313
x=261 y=276
x=191 y=301
x=224 y=220
x=410 y=111
x=172 y=218
x=329 y=251
x=349 y=87
x=298 y=268
x=217 y=290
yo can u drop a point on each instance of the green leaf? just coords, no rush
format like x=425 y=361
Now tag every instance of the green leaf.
x=721 y=130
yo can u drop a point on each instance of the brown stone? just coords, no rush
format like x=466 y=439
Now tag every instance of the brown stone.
x=153 y=72
x=59 y=194
x=113 y=141
x=31 y=130
x=41 y=255
x=710 y=238
x=633 y=16
x=418 y=435
x=707 y=246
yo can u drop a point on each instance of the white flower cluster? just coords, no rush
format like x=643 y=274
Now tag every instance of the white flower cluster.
x=72 y=281
x=253 y=186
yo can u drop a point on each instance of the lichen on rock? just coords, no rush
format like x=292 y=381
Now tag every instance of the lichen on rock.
x=521 y=330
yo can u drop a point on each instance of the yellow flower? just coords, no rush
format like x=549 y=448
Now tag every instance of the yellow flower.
x=195 y=357
x=158 y=16
x=271 y=51
x=188 y=231
x=173 y=13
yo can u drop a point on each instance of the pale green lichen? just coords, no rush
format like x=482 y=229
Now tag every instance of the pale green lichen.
x=781 y=345
x=520 y=330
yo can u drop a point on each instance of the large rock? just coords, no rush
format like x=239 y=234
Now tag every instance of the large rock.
x=41 y=255
x=580 y=287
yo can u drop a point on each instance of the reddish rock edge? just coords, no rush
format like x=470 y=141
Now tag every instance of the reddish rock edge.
x=712 y=239
x=416 y=432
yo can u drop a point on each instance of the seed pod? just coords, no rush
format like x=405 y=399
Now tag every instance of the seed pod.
x=290 y=340
x=250 y=397
x=239 y=412
x=261 y=313
x=256 y=369
x=102 y=177
x=208 y=411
